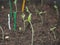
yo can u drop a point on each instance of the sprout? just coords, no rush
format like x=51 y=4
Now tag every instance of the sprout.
x=29 y=21
x=27 y=10
x=29 y=18
x=53 y=29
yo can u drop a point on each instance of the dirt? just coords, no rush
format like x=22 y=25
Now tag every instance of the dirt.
x=42 y=33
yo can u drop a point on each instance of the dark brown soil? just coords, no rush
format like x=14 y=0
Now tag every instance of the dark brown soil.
x=42 y=34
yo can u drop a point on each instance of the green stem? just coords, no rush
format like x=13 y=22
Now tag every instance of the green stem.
x=10 y=3
x=15 y=13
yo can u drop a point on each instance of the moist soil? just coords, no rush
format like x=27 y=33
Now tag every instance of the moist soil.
x=41 y=24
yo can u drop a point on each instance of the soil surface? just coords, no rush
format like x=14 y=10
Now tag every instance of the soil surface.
x=42 y=25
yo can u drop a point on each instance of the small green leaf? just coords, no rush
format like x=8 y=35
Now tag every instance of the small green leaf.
x=29 y=17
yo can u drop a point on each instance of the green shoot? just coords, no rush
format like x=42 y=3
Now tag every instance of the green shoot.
x=57 y=13
x=27 y=10
x=29 y=18
x=40 y=14
x=29 y=21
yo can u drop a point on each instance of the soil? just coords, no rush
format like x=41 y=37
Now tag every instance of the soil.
x=42 y=33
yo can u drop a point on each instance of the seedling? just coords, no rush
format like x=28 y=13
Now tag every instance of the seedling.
x=40 y=14
x=57 y=13
x=29 y=21
x=53 y=31
x=27 y=10
x=57 y=10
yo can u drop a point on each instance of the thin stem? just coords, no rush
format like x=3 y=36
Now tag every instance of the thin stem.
x=24 y=24
x=57 y=12
x=32 y=34
x=16 y=7
x=54 y=35
x=2 y=32
x=58 y=17
x=41 y=19
x=41 y=3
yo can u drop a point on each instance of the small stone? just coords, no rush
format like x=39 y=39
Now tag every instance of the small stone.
x=20 y=28
x=6 y=37
x=2 y=7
